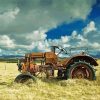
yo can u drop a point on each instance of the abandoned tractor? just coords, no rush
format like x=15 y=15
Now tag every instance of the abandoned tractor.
x=80 y=66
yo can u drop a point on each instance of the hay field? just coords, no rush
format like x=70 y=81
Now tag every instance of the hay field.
x=45 y=89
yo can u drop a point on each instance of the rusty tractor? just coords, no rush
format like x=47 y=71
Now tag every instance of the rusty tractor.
x=80 y=66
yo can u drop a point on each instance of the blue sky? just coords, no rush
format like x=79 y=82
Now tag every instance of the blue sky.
x=35 y=25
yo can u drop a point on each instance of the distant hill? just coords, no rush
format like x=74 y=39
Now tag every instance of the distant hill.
x=11 y=56
x=21 y=56
x=96 y=56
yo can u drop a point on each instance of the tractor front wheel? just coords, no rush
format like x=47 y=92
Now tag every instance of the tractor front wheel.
x=81 y=70
x=25 y=78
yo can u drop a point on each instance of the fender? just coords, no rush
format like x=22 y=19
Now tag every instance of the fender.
x=86 y=58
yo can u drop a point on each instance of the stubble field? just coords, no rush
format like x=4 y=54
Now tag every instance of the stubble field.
x=45 y=89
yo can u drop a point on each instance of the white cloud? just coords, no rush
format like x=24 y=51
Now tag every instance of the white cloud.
x=5 y=41
x=44 y=13
x=91 y=36
x=19 y=52
x=8 y=16
x=39 y=42
x=31 y=46
x=41 y=46
x=74 y=34
x=89 y=28
x=0 y=50
x=96 y=45
x=64 y=39
x=83 y=43
x=37 y=35
x=75 y=40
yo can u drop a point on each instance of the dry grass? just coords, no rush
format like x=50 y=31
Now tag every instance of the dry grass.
x=45 y=89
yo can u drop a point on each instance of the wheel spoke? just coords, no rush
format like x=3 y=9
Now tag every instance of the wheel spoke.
x=81 y=70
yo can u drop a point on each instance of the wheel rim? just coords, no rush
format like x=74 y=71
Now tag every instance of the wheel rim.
x=81 y=71
x=78 y=74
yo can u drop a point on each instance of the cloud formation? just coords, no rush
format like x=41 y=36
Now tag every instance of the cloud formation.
x=8 y=16
x=89 y=28
x=34 y=14
x=6 y=42
x=88 y=39
x=38 y=40
x=23 y=24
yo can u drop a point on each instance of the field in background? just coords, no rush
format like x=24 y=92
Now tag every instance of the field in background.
x=45 y=89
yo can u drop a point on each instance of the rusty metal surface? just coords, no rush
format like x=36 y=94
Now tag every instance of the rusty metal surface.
x=48 y=62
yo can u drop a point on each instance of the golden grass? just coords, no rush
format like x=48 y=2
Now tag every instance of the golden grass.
x=45 y=89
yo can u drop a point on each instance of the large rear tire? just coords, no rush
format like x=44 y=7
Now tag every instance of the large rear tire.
x=81 y=70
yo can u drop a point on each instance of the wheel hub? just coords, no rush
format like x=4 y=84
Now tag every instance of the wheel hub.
x=78 y=74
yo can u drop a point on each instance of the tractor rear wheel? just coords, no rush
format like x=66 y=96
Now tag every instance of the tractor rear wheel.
x=24 y=78
x=81 y=70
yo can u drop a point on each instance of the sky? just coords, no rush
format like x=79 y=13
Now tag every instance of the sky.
x=35 y=25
